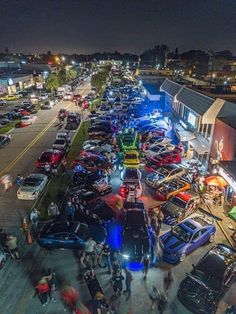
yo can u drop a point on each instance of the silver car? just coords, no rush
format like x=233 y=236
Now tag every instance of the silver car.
x=32 y=186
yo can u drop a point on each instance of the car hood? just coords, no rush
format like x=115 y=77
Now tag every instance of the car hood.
x=171 y=244
x=195 y=294
x=170 y=209
x=135 y=247
x=97 y=233
x=28 y=189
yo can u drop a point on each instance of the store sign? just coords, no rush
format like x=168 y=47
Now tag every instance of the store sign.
x=227 y=178
x=10 y=82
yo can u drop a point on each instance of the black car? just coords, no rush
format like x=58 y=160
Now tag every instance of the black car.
x=72 y=121
x=201 y=290
x=5 y=139
x=68 y=235
x=86 y=177
x=136 y=237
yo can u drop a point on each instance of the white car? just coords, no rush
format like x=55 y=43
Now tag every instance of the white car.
x=159 y=149
x=44 y=96
x=92 y=143
x=106 y=148
x=165 y=174
x=27 y=120
x=156 y=140
x=32 y=186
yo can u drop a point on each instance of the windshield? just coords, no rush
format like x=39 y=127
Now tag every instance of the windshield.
x=130 y=156
x=32 y=182
x=181 y=234
x=178 y=202
x=82 y=231
x=45 y=157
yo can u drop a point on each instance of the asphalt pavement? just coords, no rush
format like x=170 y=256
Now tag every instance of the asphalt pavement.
x=20 y=155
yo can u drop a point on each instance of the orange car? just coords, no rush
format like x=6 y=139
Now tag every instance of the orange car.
x=169 y=189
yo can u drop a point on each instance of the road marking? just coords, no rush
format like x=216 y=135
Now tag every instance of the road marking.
x=25 y=150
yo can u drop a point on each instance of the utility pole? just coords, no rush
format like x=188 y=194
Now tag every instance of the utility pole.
x=211 y=63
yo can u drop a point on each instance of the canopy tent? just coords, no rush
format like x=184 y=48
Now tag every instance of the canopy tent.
x=216 y=181
x=232 y=213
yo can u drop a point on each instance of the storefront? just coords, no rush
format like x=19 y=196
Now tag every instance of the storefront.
x=227 y=170
x=16 y=83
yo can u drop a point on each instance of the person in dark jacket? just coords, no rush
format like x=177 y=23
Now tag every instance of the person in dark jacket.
x=117 y=279
x=128 y=280
x=70 y=211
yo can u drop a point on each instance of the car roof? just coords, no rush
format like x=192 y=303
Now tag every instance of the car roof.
x=195 y=223
x=134 y=217
x=61 y=226
x=218 y=259
x=187 y=195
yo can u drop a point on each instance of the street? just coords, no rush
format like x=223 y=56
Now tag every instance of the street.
x=20 y=155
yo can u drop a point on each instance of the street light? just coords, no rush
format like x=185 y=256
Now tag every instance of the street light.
x=73 y=62
x=63 y=58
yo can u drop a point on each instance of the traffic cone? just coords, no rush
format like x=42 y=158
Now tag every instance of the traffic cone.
x=29 y=238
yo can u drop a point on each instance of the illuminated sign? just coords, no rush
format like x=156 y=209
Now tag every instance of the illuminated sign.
x=10 y=82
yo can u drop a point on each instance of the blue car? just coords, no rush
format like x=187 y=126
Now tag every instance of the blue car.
x=68 y=234
x=185 y=237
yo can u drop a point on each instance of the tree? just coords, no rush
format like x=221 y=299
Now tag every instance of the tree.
x=62 y=75
x=71 y=75
x=52 y=82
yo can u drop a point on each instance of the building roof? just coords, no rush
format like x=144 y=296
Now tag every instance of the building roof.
x=170 y=87
x=230 y=167
x=231 y=121
x=228 y=114
x=196 y=101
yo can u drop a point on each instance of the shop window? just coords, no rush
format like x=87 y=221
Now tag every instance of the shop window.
x=204 y=128
x=208 y=135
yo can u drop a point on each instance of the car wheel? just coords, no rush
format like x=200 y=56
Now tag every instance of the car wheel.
x=212 y=237
x=182 y=257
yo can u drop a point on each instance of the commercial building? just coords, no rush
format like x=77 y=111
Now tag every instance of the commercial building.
x=12 y=83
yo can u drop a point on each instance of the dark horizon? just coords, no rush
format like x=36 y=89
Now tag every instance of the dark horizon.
x=84 y=27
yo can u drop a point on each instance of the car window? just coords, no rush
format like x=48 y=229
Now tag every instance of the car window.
x=197 y=235
x=60 y=236
x=71 y=236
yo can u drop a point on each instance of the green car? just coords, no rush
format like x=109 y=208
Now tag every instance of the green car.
x=129 y=140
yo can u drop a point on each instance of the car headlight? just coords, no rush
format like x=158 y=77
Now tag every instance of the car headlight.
x=126 y=256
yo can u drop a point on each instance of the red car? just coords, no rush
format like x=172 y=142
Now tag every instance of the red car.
x=77 y=97
x=93 y=162
x=51 y=156
x=165 y=159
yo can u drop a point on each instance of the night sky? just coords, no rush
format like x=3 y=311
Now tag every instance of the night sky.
x=87 y=26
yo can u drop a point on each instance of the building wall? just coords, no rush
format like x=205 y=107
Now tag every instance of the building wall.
x=223 y=142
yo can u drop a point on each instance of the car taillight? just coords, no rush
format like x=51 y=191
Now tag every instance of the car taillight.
x=123 y=190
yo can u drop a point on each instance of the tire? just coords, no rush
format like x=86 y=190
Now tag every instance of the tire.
x=212 y=237
x=182 y=257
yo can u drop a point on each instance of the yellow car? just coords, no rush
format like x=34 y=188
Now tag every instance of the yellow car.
x=131 y=159
x=171 y=188
x=10 y=97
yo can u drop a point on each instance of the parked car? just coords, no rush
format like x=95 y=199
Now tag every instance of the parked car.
x=131 y=159
x=27 y=120
x=155 y=150
x=129 y=140
x=164 y=159
x=49 y=104
x=186 y=237
x=205 y=285
x=5 y=139
x=164 y=175
x=180 y=206
x=51 y=156
x=84 y=176
x=32 y=186
x=68 y=235
x=170 y=189
x=61 y=144
x=131 y=185
x=136 y=235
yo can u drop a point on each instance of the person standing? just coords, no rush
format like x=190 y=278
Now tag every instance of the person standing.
x=34 y=217
x=154 y=296
x=11 y=244
x=3 y=238
x=146 y=264
x=42 y=289
x=6 y=180
x=63 y=166
x=106 y=254
x=89 y=246
x=167 y=281
x=128 y=280
x=53 y=211
x=160 y=218
x=52 y=282
x=119 y=257
x=117 y=279
x=70 y=211
x=98 y=254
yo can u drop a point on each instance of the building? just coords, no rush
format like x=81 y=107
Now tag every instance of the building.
x=12 y=83
x=196 y=114
x=153 y=93
x=170 y=88
x=223 y=149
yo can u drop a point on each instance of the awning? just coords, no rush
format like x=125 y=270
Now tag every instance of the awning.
x=216 y=181
x=199 y=146
x=185 y=136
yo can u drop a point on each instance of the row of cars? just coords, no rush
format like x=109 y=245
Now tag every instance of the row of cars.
x=91 y=170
